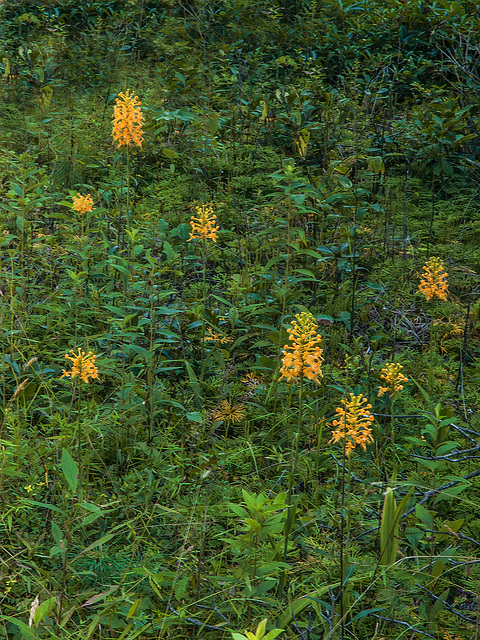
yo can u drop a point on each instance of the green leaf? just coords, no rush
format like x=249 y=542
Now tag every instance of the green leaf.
x=181 y=77
x=345 y=182
x=93 y=508
x=388 y=530
x=133 y=609
x=430 y=464
x=123 y=270
x=424 y=515
x=170 y=154
x=267 y=363
x=375 y=164
x=169 y=251
x=271 y=262
x=25 y=629
x=42 y=611
x=126 y=631
x=57 y=533
x=194 y=382
x=238 y=510
x=70 y=470
x=302 y=142
x=422 y=391
x=307 y=272
x=90 y=518
x=297 y=606
x=194 y=416
x=452 y=492
x=97 y=543
x=212 y=124
x=45 y=505
x=180 y=587
x=92 y=626
x=365 y=612
x=261 y=628
x=27 y=391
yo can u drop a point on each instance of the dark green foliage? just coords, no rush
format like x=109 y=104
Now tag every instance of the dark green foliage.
x=189 y=491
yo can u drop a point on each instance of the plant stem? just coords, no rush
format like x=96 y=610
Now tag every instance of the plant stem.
x=291 y=511
x=79 y=443
x=432 y=343
x=342 y=540
x=128 y=187
x=204 y=294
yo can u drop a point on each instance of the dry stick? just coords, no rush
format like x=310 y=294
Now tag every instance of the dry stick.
x=449 y=456
x=457 y=534
x=445 y=604
x=431 y=492
x=197 y=623
x=409 y=626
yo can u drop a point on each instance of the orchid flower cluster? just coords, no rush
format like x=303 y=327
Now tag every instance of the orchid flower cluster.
x=304 y=356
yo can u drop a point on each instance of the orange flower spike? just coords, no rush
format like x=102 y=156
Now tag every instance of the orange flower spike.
x=82 y=204
x=304 y=356
x=433 y=283
x=353 y=423
x=83 y=366
x=204 y=224
x=392 y=375
x=127 y=120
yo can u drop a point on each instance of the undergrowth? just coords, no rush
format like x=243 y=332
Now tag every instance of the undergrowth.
x=239 y=380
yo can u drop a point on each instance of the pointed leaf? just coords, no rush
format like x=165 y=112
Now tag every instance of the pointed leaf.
x=70 y=470
x=261 y=628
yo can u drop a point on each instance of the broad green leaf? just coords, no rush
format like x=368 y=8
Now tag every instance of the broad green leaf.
x=424 y=515
x=194 y=416
x=43 y=610
x=170 y=153
x=261 y=628
x=70 y=470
